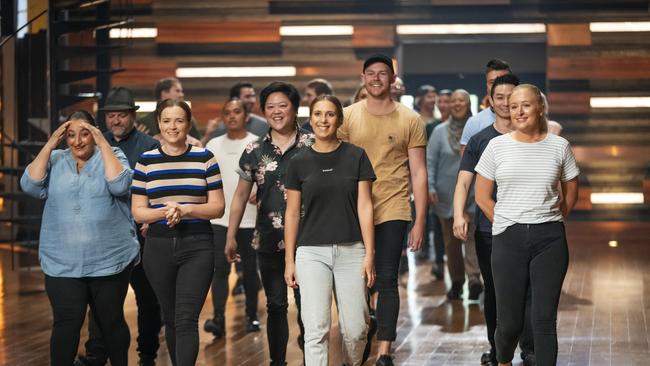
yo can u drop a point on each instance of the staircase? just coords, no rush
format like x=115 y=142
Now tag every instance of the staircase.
x=61 y=67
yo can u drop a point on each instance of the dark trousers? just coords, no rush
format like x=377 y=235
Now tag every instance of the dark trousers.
x=69 y=298
x=149 y=320
x=484 y=254
x=222 y=270
x=275 y=288
x=438 y=238
x=388 y=250
x=536 y=256
x=180 y=272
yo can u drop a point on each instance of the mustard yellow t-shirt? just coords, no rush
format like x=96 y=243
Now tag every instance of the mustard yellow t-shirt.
x=386 y=139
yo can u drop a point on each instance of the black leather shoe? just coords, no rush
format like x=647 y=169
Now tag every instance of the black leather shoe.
x=529 y=359
x=384 y=360
x=372 y=330
x=475 y=289
x=216 y=326
x=455 y=292
x=488 y=359
x=252 y=325
x=89 y=360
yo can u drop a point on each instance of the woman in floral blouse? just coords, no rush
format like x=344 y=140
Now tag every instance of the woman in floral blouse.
x=264 y=163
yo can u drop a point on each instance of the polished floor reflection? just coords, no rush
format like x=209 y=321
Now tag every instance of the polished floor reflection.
x=603 y=317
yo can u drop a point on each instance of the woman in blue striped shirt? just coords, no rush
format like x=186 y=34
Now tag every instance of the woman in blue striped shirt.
x=177 y=189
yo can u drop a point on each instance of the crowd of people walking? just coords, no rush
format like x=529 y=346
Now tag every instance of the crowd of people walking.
x=325 y=206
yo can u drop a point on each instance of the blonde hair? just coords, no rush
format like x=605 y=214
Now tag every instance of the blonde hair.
x=541 y=102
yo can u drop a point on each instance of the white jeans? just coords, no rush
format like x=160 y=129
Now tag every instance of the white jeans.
x=319 y=271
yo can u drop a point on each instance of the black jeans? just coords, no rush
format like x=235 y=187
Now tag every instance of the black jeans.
x=388 y=250
x=536 y=256
x=275 y=288
x=69 y=298
x=484 y=254
x=438 y=239
x=222 y=270
x=180 y=272
x=149 y=319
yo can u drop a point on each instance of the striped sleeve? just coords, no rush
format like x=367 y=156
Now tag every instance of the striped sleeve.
x=213 y=174
x=570 y=168
x=139 y=185
x=486 y=166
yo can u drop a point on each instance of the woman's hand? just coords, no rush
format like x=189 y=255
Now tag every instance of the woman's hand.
x=174 y=212
x=231 y=250
x=98 y=136
x=290 y=275
x=369 y=270
x=57 y=136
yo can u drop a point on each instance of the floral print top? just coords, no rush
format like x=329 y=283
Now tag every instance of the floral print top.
x=263 y=163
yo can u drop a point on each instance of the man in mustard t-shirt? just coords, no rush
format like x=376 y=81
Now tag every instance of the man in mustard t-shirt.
x=394 y=139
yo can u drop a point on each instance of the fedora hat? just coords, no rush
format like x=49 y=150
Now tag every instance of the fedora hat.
x=119 y=99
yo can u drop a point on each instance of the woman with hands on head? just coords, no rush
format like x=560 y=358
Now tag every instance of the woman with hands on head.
x=329 y=217
x=177 y=189
x=88 y=242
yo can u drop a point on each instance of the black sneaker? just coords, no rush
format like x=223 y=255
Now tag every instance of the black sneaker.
x=372 y=330
x=475 y=289
x=252 y=325
x=384 y=360
x=438 y=271
x=216 y=326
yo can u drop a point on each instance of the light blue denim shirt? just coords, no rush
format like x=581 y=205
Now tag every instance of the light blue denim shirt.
x=87 y=228
x=477 y=123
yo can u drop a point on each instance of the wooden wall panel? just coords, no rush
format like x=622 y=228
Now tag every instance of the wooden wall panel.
x=611 y=67
x=144 y=72
x=568 y=34
x=569 y=103
x=219 y=32
x=373 y=36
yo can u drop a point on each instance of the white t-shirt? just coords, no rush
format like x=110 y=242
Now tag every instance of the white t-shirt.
x=527 y=175
x=227 y=153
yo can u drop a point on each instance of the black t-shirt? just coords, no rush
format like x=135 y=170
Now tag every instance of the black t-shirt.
x=328 y=183
x=473 y=151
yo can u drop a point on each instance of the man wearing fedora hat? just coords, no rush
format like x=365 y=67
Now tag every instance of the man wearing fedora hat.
x=120 y=119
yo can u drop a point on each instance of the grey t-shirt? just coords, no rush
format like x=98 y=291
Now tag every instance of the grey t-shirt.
x=255 y=125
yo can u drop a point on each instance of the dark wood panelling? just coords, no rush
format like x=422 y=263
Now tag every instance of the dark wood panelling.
x=373 y=36
x=599 y=68
x=219 y=32
x=144 y=72
x=568 y=34
x=569 y=103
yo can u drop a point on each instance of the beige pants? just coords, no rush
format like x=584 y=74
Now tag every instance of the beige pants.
x=458 y=264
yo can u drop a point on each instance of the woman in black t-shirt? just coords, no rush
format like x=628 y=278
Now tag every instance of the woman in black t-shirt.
x=329 y=196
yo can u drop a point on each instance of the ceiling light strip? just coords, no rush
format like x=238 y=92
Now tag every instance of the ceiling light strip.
x=235 y=72
x=617 y=198
x=505 y=28
x=316 y=30
x=619 y=102
x=134 y=33
x=609 y=27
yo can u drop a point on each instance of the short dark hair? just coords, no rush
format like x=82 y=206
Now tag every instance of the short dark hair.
x=285 y=88
x=321 y=86
x=237 y=100
x=164 y=85
x=235 y=90
x=496 y=64
x=167 y=103
x=446 y=92
x=332 y=99
x=508 y=79
x=82 y=114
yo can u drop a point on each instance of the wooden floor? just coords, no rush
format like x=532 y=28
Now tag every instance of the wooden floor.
x=603 y=316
